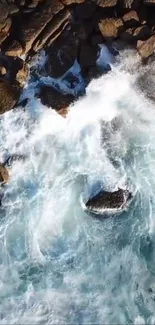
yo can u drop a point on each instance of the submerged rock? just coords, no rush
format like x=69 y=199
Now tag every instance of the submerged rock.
x=109 y=201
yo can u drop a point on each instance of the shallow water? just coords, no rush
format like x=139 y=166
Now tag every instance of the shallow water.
x=59 y=265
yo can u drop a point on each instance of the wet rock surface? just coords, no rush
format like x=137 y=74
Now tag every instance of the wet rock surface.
x=109 y=200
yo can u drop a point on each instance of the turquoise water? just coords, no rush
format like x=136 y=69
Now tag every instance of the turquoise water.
x=59 y=265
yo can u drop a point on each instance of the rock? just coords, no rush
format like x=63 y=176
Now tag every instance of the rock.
x=9 y=96
x=22 y=74
x=52 y=29
x=38 y=20
x=115 y=201
x=131 y=19
x=62 y=56
x=107 y=3
x=14 y=49
x=2 y=70
x=87 y=55
x=12 y=159
x=4 y=175
x=13 y=8
x=84 y=11
x=53 y=98
x=146 y=48
x=4 y=11
x=110 y=27
x=134 y=34
x=127 y=3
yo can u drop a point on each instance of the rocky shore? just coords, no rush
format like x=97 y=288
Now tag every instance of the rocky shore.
x=68 y=31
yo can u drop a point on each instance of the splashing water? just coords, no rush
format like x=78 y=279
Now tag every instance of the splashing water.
x=57 y=264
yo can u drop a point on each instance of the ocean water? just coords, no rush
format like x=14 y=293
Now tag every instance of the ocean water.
x=59 y=265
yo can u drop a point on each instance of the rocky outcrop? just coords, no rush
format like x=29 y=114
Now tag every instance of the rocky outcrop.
x=55 y=99
x=105 y=201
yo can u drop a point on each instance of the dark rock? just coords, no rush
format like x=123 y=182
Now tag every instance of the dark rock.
x=85 y=10
x=4 y=175
x=5 y=30
x=111 y=27
x=13 y=8
x=9 y=96
x=12 y=159
x=134 y=34
x=149 y=2
x=146 y=48
x=87 y=55
x=54 y=99
x=62 y=56
x=109 y=200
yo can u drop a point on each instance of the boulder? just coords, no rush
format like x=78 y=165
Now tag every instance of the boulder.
x=5 y=30
x=4 y=11
x=4 y=175
x=9 y=96
x=55 y=99
x=14 y=49
x=131 y=19
x=114 y=201
x=146 y=48
x=110 y=27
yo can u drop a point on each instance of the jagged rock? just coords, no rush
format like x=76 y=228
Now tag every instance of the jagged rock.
x=131 y=19
x=38 y=20
x=110 y=27
x=62 y=56
x=4 y=175
x=87 y=55
x=107 y=3
x=53 y=98
x=9 y=96
x=14 y=49
x=109 y=200
x=52 y=29
x=22 y=74
x=146 y=48
x=134 y=34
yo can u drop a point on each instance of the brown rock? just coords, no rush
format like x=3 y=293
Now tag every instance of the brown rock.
x=70 y=2
x=110 y=27
x=9 y=96
x=37 y=22
x=131 y=19
x=107 y=3
x=2 y=71
x=22 y=75
x=53 y=27
x=14 y=49
x=146 y=48
x=5 y=30
x=54 y=99
x=4 y=175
